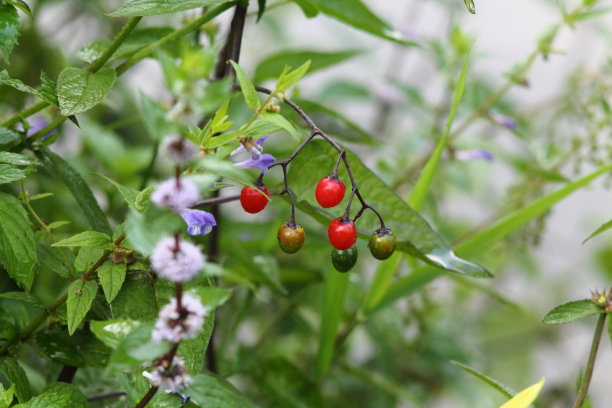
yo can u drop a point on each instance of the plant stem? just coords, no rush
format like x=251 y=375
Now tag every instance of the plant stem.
x=148 y=396
x=24 y=114
x=108 y=53
x=588 y=371
x=106 y=396
x=217 y=200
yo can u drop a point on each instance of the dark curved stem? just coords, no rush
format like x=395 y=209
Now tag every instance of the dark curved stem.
x=147 y=398
x=106 y=396
x=217 y=200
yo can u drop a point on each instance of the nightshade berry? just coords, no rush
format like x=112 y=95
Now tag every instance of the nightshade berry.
x=382 y=243
x=344 y=259
x=330 y=192
x=290 y=237
x=342 y=233
x=252 y=200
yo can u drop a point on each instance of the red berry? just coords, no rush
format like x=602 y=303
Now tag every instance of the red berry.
x=330 y=191
x=342 y=235
x=252 y=200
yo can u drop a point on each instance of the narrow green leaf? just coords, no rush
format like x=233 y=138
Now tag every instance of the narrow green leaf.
x=333 y=309
x=380 y=283
x=470 y=6
x=9 y=30
x=15 y=375
x=24 y=297
x=87 y=239
x=568 y=312
x=156 y=7
x=258 y=129
x=603 y=227
x=419 y=192
x=261 y=7
x=506 y=391
x=290 y=78
x=63 y=171
x=112 y=332
x=309 y=9
x=111 y=276
x=280 y=121
x=80 y=297
x=211 y=391
x=5 y=79
x=128 y=194
x=356 y=14
x=248 y=90
x=79 y=90
x=17 y=243
x=21 y=5
x=269 y=67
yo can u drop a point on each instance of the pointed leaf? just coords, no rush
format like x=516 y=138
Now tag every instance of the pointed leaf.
x=80 y=297
x=524 y=398
x=280 y=121
x=129 y=195
x=112 y=332
x=506 y=391
x=21 y=5
x=80 y=90
x=290 y=78
x=470 y=6
x=111 y=276
x=211 y=391
x=17 y=243
x=87 y=239
x=5 y=79
x=603 y=227
x=16 y=376
x=9 y=30
x=6 y=396
x=157 y=7
x=568 y=312
x=24 y=297
x=248 y=90
x=9 y=173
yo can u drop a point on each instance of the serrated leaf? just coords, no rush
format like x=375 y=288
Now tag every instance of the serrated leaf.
x=17 y=159
x=9 y=173
x=414 y=234
x=246 y=86
x=568 y=312
x=336 y=285
x=24 y=297
x=76 y=399
x=48 y=91
x=156 y=7
x=290 y=78
x=8 y=138
x=17 y=243
x=135 y=301
x=280 y=121
x=469 y=4
x=111 y=276
x=87 y=239
x=356 y=14
x=80 y=297
x=129 y=195
x=524 y=398
x=112 y=332
x=63 y=171
x=486 y=379
x=79 y=90
x=212 y=391
x=9 y=30
x=21 y=5
x=91 y=52
x=87 y=257
x=269 y=67
x=15 y=375
x=50 y=400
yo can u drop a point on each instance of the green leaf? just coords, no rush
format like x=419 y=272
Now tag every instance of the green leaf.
x=9 y=173
x=470 y=6
x=223 y=168
x=333 y=308
x=211 y=391
x=308 y=8
x=52 y=259
x=87 y=257
x=55 y=345
x=382 y=278
x=248 y=90
x=24 y=297
x=357 y=14
x=568 y=312
x=289 y=78
x=193 y=350
x=506 y=391
x=129 y=195
x=9 y=30
x=135 y=348
x=16 y=159
x=63 y=171
x=414 y=235
x=80 y=297
x=269 y=67
x=21 y=5
x=16 y=376
x=51 y=400
x=6 y=396
x=112 y=332
x=145 y=230
x=154 y=118
x=212 y=297
x=261 y=7
x=157 y=7
x=258 y=129
x=111 y=276
x=76 y=399
x=419 y=192
x=603 y=227
x=87 y=239
x=5 y=79
x=524 y=398
x=79 y=90
x=280 y=121
x=48 y=91
x=17 y=243
x=267 y=269
x=8 y=138
x=91 y=52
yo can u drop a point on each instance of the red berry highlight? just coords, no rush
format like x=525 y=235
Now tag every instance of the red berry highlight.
x=330 y=191
x=342 y=235
x=252 y=200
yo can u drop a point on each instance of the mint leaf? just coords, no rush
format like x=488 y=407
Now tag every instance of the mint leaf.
x=80 y=297
x=80 y=90
x=9 y=24
x=156 y=7
x=87 y=239
x=111 y=276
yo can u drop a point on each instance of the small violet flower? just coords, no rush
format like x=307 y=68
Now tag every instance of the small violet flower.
x=174 y=325
x=198 y=222
x=36 y=126
x=179 y=150
x=505 y=121
x=172 y=377
x=474 y=155
x=176 y=259
x=176 y=194
x=257 y=160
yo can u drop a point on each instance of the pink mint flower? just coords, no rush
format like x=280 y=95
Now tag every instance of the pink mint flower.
x=172 y=378
x=174 y=326
x=176 y=259
x=176 y=194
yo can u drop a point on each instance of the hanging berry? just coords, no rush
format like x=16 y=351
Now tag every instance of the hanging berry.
x=342 y=233
x=382 y=243
x=252 y=200
x=290 y=237
x=330 y=191
x=344 y=259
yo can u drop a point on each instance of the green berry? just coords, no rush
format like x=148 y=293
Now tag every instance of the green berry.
x=382 y=243
x=344 y=259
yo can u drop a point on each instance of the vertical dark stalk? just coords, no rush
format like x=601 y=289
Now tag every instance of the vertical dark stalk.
x=588 y=371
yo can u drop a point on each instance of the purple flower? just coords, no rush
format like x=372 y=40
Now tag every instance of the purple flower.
x=176 y=259
x=173 y=377
x=179 y=150
x=241 y=148
x=36 y=126
x=175 y=325
x=262 y=163
x=474 y=155
x=175 y=194
x=505 y=121
x=198 y=222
